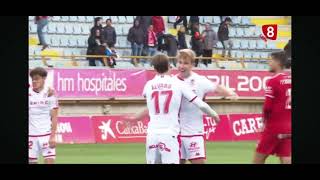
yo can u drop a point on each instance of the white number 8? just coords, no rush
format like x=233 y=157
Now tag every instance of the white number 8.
x=270 y=31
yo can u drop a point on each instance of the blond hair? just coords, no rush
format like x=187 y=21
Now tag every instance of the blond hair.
x=187 y=54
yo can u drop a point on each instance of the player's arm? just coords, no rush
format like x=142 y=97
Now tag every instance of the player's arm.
x=54 y=120
x=220 y=90
x=269 y=96
x=204 y=107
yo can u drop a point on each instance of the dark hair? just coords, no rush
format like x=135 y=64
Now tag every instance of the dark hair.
x=96 y=19
x=280 y=57
x=109 y=20
x=227 y=19
x=160 y=63
x=38 y=71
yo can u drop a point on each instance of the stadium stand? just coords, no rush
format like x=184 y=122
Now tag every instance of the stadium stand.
x=69 y=35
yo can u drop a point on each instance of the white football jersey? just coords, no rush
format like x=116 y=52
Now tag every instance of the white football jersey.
x=40 y=106
x=164 y=94
x=191 y=117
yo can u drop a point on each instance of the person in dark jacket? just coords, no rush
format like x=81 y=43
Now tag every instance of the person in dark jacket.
x=145 y=22
x=182 y=38
x=136 y=37
x=196 y=43
x=179 y=20
x=96 y=46
x=109 y=34
x=210 y=40
x=97 y=25
x=193 y=22
x=171 y=46
x=223 y=35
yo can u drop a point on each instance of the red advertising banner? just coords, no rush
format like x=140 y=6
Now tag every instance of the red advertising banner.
x=112 y=129
x=74 y=130
x=245 y=126
x=214 y=132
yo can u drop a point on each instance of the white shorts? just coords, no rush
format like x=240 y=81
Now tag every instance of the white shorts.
x=162 y=149
x=40 y=145
x=192 y=147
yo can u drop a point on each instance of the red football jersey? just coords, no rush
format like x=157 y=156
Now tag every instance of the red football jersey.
x=277 y=106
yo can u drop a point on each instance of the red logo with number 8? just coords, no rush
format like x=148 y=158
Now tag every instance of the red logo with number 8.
x=270 y=31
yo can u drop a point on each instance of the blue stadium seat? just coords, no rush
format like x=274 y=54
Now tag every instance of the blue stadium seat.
x=236 y=44
x=60 y=28
x=89 y=19
x=105 y=18
x=201 y=19
x=264 y=54
x=219 y=45
x=261 y=44
x=55 y=41
x=32 y=28
x=130 y=19
x=247 y=55
x=125 y=29
x=239 y=54
x=256 y=55
x=64 y=41
x=252 y=44
x=73 y=18
x=216 y=20
x=207 y=19
x=77 y=29
x=244 y=44
x=232 y=32
x=271 y=45
x=73 y=41
x=248 y=32
x=122 y=19
x=239 y=32
x=56 y=18
x=31 y=18
x=86 y=29
x=65 y=18
x=118 y=30
x=69 y=28
x=245 y=20
x=52 y=28
x=114 y=19
x=235 y=20
x=171 y=19
x=81 y=18
x=82 y=42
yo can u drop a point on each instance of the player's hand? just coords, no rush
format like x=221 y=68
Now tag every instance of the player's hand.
x=217 y=119
x=50 y=92
x=52 y=141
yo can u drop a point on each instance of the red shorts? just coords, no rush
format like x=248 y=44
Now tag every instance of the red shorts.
x=270 y=144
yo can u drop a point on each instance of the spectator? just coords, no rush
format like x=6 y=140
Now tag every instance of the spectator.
x=193 y=22
x=179 y=20
x=182 y=38
x=145 y=22
x=96 y=46
x=158 y=27
x=111 y=61
x=223 y=35
x=109 y=34
x=97 y=25
x=136 y=37
x=171 y=46
x=196 y=43
x=151 y=42
x=41 y=22
x=210 y=40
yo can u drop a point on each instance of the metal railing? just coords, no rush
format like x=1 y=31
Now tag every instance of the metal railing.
x=74 y=58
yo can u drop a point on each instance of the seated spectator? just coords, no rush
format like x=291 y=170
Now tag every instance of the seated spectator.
x=111 y=61
x=97 y=25
x=182 y=38
x=96 y=46
x=151 y=43
x=109 y=34
x=136 y=37
x=210 y=40
x=223 y=35
x=196 y=43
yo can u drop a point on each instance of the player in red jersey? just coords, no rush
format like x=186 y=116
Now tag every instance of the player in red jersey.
x=276 y=136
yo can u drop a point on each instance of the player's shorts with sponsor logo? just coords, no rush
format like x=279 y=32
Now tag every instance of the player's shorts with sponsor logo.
x=270 y=143
x=162 y=149
x=39 y=145
x=192 y=147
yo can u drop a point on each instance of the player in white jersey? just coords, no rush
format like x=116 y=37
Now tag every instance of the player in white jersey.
x=43 y=110
x=164 y=94
x=191 y=118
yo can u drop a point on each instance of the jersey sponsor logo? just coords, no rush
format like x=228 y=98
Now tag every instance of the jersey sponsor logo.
x=161 y=146
x=193 y=144
x=106 y=129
